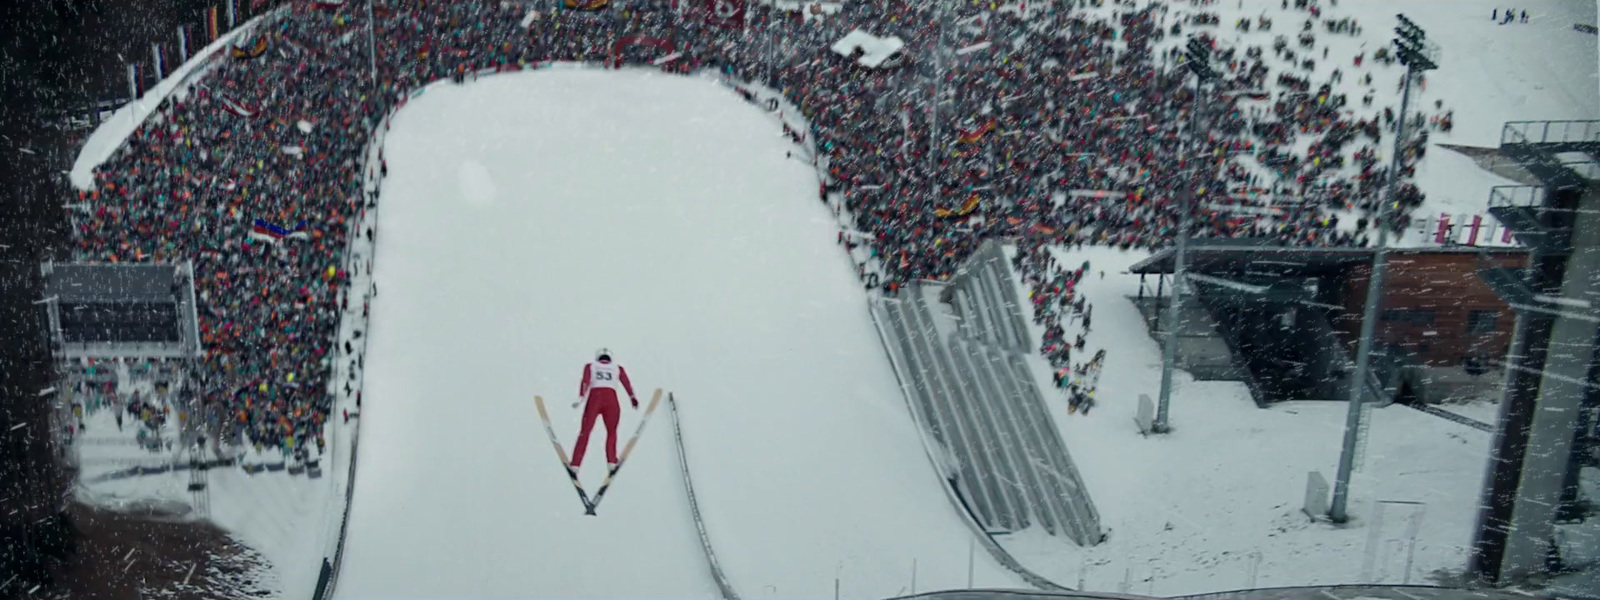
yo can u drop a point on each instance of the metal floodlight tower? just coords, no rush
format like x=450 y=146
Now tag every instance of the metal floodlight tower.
x=1411 y=47
x=935 y=154
x=372 y=47
x=1199 y=62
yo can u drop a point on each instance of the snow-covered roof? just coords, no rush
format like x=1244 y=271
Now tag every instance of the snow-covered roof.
x=876 y=50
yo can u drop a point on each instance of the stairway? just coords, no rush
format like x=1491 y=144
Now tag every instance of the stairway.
x=974 y=396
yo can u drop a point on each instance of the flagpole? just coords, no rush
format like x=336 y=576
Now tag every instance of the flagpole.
x=372 y=45
x=933 y=110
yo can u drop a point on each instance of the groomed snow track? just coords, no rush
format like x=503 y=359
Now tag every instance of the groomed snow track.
x=328 y=579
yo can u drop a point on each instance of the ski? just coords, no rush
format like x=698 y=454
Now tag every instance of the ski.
x=561 y=453
x=626 y=450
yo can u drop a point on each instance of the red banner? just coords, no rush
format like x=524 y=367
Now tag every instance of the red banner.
x=723 y=13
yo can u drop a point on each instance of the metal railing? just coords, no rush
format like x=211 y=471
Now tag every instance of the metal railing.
x=1530 y=196
x=1009 y=462
x=1549 y=132
x=717 y=575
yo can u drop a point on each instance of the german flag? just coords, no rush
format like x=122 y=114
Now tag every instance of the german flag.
x=966 y=209
x=973 y=135
x=212 y=32
x=586 y=5
x=252 y=52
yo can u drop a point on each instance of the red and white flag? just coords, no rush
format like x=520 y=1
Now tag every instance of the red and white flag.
x=237 y=108
x=723 y=13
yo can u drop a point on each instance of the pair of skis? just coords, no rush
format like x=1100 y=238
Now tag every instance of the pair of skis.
x=589 y=504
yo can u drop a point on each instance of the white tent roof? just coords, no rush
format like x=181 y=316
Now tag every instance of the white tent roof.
x=827 y=7
x=876 y=49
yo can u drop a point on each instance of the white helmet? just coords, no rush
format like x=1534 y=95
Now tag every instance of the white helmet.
x=602 y=354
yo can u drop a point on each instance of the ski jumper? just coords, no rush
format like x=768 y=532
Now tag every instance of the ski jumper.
x=601 y=381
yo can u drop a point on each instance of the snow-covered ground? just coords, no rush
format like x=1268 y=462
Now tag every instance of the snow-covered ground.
x=282 y=516
x=531 y=218
x=1489 y=74
x=1215 y=505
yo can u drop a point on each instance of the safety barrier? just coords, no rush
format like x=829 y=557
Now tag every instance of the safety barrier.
x=717 y=575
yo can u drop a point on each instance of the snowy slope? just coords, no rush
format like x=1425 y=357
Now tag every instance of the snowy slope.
x=531 y=218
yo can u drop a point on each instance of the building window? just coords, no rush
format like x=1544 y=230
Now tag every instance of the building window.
x=1409 y=316
x=1480 y=322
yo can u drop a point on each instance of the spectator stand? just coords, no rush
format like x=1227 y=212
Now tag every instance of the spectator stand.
x=877 y=152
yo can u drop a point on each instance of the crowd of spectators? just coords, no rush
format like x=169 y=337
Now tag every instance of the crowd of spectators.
x=137 y=393
x=1074 y=133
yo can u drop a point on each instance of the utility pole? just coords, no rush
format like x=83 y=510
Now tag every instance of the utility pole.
x=1199 y=61
x=1409 y=45
x=934 y=149
x=372 y=45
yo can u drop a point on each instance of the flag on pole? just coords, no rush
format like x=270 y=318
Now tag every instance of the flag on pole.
x=236 y=107
x=183 y=42
x=257 y=50
x=968 y=136
x=212 y=33
x=270 y=232
x=232 y=18
x=133 y=81
x=157 y=60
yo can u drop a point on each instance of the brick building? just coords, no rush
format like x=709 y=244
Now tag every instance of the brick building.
x=1434 y=304
x=1288 y=319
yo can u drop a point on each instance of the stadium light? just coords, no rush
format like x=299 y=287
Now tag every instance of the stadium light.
x=1199 y=55
x=1410 y=42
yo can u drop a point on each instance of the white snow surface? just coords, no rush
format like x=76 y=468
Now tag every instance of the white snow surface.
x=1189 y=512
x=656 y=216
x=284 y=517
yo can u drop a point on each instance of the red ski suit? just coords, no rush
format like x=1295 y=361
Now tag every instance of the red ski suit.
x=601 y=402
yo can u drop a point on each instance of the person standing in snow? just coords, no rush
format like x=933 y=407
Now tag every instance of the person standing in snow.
x=602 y=379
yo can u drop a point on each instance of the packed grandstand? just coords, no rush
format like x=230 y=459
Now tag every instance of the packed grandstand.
x=1069 y=137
